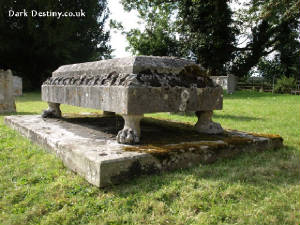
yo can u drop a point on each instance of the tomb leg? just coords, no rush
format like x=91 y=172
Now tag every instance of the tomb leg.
x=53 y=111
x=206 y=125
x=131 y=132
x=108 y=113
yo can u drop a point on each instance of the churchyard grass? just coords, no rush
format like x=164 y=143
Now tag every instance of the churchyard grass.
x=253 y=188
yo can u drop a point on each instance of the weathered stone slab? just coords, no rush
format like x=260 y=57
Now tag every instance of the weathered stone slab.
x=88 y=146
x=133 y=86
x=7 y=100
x=18 y=86
x=126 y=65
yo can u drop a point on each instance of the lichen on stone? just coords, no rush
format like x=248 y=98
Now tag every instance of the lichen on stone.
x=271 y=136
x=234 y=140
x=193 y=70
x=188 y=78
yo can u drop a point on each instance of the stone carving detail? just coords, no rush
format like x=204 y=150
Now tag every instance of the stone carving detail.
x=205 y=123
x=131 y=132
x=142 y=79
x=53 y=111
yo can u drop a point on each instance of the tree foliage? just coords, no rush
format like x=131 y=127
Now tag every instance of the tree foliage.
x=35 y=46
x=285 y=85
x=210 y=32
x=273 y=29
x=158 y=37
x=159 y=34
x=206 y=29
x=270 y=69
x=184 y=28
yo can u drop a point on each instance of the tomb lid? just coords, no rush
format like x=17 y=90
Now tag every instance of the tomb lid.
x=128 y=65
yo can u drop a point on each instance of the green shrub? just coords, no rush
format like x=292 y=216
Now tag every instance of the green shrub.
x=285 y=85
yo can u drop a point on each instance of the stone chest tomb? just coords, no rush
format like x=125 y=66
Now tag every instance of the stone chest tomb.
x=103 y=149
x=133 y=86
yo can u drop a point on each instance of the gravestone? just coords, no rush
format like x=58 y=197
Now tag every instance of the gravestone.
x=7 y=99
x=228 y=83
x=18 y=86
x=231 y=84
x=133 y=86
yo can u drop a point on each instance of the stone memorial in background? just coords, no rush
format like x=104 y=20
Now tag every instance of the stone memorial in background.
x=18 y=86
x=228 y=83
x=7 y=99
x=133 y=86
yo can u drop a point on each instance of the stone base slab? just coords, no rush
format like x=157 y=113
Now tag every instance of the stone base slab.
x=88 y=146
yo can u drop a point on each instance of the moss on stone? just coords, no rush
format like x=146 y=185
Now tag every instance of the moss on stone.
x=234 y=140
x=160 y=150
x=271 y=136
x=82 y=115
x=193 y=71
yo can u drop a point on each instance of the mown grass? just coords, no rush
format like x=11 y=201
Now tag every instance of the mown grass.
x=254 y=188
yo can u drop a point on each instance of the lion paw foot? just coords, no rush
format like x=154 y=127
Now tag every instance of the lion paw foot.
x=210 y=128
x=128 y=136
x=50 y=113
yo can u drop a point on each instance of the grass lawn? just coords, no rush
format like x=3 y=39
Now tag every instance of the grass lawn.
x=263 y=188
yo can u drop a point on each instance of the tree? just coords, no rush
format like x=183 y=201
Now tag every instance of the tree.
x=206 y=29
x=35 y=46
x=273 y=27
x=159 y=35
x=198 y=36
x=285 y=61
x=270 y=69
x=288 y=48
x=209 y=32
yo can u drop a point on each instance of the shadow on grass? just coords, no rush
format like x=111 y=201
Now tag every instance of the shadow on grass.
x=241 y=118
x=259 y=169
x=226 y=116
